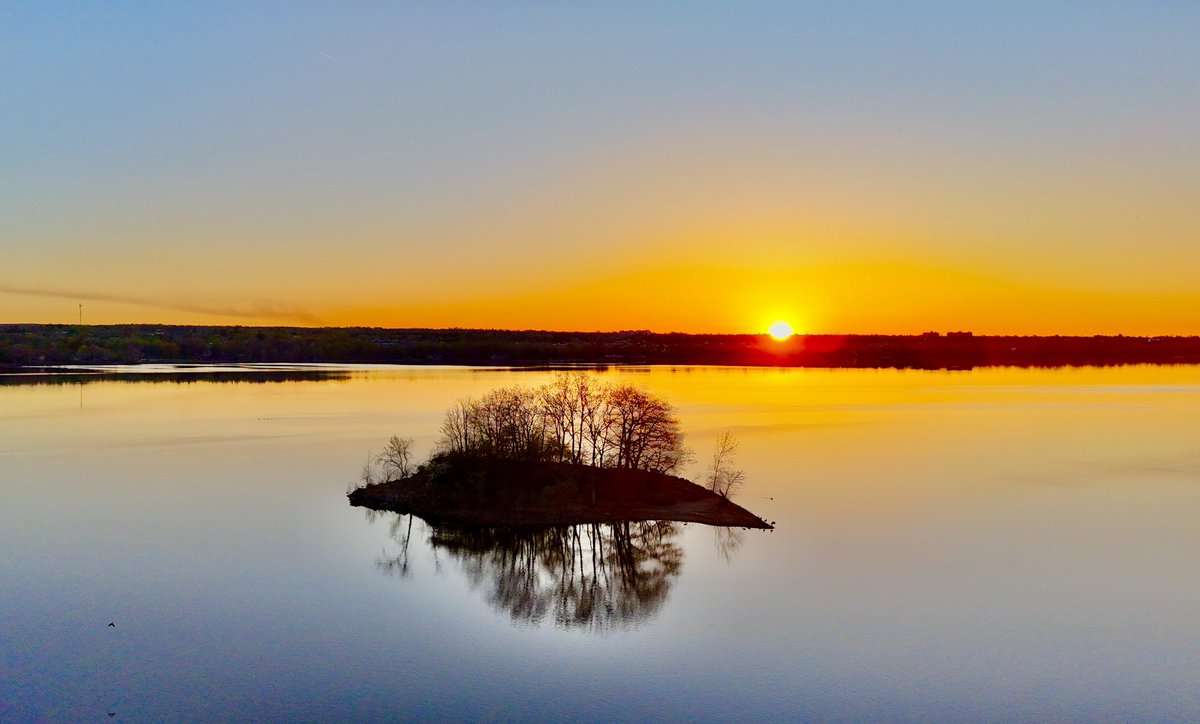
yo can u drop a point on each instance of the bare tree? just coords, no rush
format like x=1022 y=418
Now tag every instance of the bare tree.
x=459 y=428
x=396 y=458
x=508 y=423
x=643 y=431
x=559 y=413
x=369 y=475
x=722 y=477
x=571 y=419
x=597 y=427
x=571 y=404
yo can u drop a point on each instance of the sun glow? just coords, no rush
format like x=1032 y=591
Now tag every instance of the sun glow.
x=780 y=330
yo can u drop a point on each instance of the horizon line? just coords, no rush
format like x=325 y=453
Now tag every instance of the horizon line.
x=529 y=330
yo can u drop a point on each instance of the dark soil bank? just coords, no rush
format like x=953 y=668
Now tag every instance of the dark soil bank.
x=490 y=492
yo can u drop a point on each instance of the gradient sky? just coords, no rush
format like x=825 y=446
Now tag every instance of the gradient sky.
x=849 y=166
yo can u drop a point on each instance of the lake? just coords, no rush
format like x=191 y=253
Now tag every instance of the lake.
x=999 y=543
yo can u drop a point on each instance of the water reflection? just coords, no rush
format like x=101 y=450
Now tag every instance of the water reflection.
x=937 y=582
x=253 y=376
x=728 y=541
x=598 y=577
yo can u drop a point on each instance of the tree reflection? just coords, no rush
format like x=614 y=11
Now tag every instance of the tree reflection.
x=728 y=541
x=401 y=530
x=594 y=576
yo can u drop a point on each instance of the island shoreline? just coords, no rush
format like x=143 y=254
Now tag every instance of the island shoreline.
x=504 y=493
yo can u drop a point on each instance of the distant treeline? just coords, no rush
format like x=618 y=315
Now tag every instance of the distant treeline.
x=36 y=344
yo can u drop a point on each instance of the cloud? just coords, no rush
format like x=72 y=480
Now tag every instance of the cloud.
x=258 y=308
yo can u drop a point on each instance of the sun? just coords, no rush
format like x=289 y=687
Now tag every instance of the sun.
x=780 y=330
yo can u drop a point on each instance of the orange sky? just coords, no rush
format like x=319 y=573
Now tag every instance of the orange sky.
x=876 y=169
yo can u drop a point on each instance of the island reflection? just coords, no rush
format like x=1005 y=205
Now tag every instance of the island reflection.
x=592 y=576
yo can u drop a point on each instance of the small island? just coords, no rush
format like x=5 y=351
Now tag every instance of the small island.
x=571 y=452
x=479 y=491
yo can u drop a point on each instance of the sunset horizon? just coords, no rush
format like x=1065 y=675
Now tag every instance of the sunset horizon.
x=765 y=331
x=874 y=169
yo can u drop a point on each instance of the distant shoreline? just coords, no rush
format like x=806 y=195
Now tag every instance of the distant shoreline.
x=25 y=347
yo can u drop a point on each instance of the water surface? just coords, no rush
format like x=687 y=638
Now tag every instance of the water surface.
x=999 y=543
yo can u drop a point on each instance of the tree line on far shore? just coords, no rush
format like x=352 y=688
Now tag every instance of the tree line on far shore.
x=56 y=344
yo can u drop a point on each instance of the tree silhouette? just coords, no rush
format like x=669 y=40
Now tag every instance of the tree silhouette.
x=575 y=419
x=722 y=477
x=396 y=458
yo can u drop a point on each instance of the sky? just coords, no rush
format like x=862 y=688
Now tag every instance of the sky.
x=849 y=167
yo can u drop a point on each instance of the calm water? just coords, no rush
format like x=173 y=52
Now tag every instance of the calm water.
x=999 y=543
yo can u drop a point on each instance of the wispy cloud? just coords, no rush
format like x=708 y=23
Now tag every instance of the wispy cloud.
x=255 y=308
